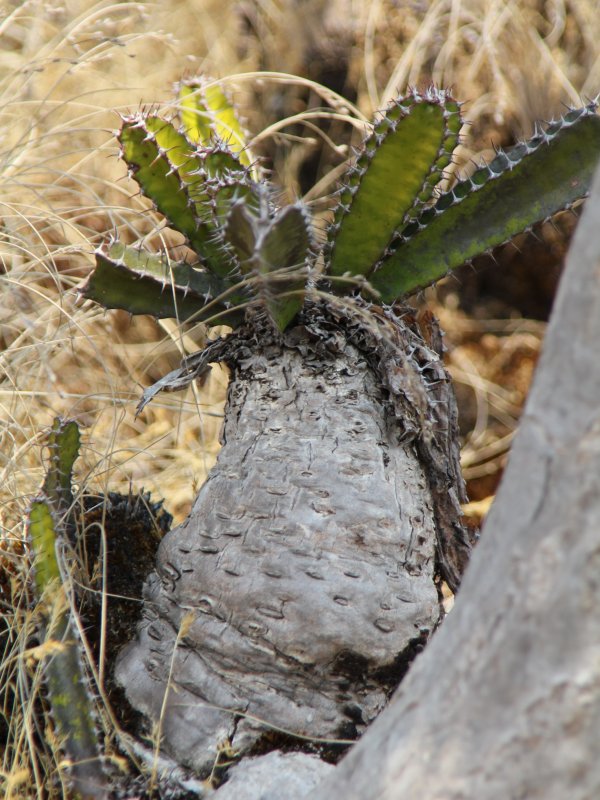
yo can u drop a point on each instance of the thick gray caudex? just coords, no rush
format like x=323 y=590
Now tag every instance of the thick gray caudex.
x=289 y=603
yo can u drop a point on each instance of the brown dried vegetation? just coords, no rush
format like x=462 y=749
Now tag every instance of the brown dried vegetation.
x=65 y=70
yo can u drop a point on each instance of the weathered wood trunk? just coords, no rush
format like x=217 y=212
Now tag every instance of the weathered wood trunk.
x=303 y=582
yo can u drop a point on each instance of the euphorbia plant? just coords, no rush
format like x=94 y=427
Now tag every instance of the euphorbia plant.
x=71 y=702
x=306 y=576
x=393 y=225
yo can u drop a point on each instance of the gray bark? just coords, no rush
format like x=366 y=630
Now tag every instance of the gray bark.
x=302 y=583
x=505 y=701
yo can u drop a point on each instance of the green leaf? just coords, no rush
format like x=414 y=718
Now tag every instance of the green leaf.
x=63 y=444
x=192 y=187
x=180 y=152
x=142 y=286
x=205 y=285
x=175 y=176
x=274 y=253
x=400 y=164
x=283 y=252
x=525 y=185
x=287 y=241
x=43 y=541
x=207 y=113
x=70 y=701
x=283 y=294
x=453 y=126
x=227 y=193
x=240 y=232
x=196 y=166
x=159 y=178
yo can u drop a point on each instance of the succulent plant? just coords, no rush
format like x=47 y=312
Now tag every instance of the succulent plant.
x=71 y=700
x=306 y=575
x=394 y=229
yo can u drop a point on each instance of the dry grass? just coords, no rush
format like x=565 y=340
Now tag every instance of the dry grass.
x=65 y=70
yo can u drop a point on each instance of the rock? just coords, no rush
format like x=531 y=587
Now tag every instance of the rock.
x=274 y=777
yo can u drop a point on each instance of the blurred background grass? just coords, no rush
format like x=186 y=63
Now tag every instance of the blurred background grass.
x=68 y=68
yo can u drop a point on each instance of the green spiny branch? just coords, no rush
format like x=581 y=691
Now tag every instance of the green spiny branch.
x=393 y=227
x=71 y=701
x=520 y=187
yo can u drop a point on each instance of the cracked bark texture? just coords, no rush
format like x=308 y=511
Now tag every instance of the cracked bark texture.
x=303 y=581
